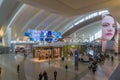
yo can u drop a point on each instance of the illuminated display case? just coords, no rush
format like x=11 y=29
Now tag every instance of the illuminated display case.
x=46 y=52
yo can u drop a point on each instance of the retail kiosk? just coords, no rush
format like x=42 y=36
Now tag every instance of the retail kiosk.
x=46 y=52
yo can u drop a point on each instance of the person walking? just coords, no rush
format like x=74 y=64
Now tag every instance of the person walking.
x=66 y=67
x=18 y=68
x=94 y=68
x=112 y=58
x=45 y=75
x=0 y=70
x=55 y=74
x=40 y=76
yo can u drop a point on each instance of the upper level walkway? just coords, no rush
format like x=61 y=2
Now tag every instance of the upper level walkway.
x=30 y=69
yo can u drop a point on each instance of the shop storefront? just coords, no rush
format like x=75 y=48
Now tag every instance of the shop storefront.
x=47 y=52
x=70 y=49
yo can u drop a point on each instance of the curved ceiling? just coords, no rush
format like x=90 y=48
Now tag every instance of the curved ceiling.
x=55 y=15
x=74 y=7
x=34 y=18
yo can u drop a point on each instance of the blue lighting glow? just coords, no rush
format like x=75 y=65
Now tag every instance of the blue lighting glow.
x=32 y=39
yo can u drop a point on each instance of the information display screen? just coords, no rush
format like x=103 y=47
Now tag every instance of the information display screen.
x=110 y=35
x=41 y=35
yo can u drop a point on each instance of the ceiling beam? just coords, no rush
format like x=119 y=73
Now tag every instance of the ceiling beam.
x=81 y=25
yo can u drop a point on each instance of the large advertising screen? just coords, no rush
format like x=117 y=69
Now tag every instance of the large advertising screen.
x=42 y=35
x=109 y=33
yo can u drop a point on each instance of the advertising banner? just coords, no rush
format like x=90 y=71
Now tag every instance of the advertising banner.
x=109 y=33
x=42 y=35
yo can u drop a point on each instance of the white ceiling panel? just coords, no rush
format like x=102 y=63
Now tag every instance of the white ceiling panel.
x=59 y=15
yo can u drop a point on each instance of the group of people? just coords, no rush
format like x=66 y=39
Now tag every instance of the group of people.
x=93 y=66
x=45 y=76
x=98 y=59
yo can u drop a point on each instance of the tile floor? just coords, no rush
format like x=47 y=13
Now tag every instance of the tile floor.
x=29 y=69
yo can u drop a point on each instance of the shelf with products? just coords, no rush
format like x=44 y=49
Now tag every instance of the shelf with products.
x=47 y=52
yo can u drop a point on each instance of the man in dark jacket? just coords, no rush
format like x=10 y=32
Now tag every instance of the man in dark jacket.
x=40 y=76
x=55 y=74
x=18 y=68
x=45 y=75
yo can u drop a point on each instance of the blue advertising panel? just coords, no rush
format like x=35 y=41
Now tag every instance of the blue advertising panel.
x=41 y=35
x=27 y=34
x=59 y=35
x=49 y=34
x=41 y=39
x=31 y=39
x=49 y=40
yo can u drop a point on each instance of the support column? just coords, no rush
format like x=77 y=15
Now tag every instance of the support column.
x=75 y=37
x=6 y=40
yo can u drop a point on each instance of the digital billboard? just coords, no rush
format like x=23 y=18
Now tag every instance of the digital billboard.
x=42 y=35
x=109 y=33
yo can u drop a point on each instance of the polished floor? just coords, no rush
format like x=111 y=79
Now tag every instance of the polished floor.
x=30 y=69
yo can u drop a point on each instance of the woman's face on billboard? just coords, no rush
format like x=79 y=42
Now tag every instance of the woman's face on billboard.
x=108 y=27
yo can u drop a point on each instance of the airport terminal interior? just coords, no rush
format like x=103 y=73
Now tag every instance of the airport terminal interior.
x=59 y=40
